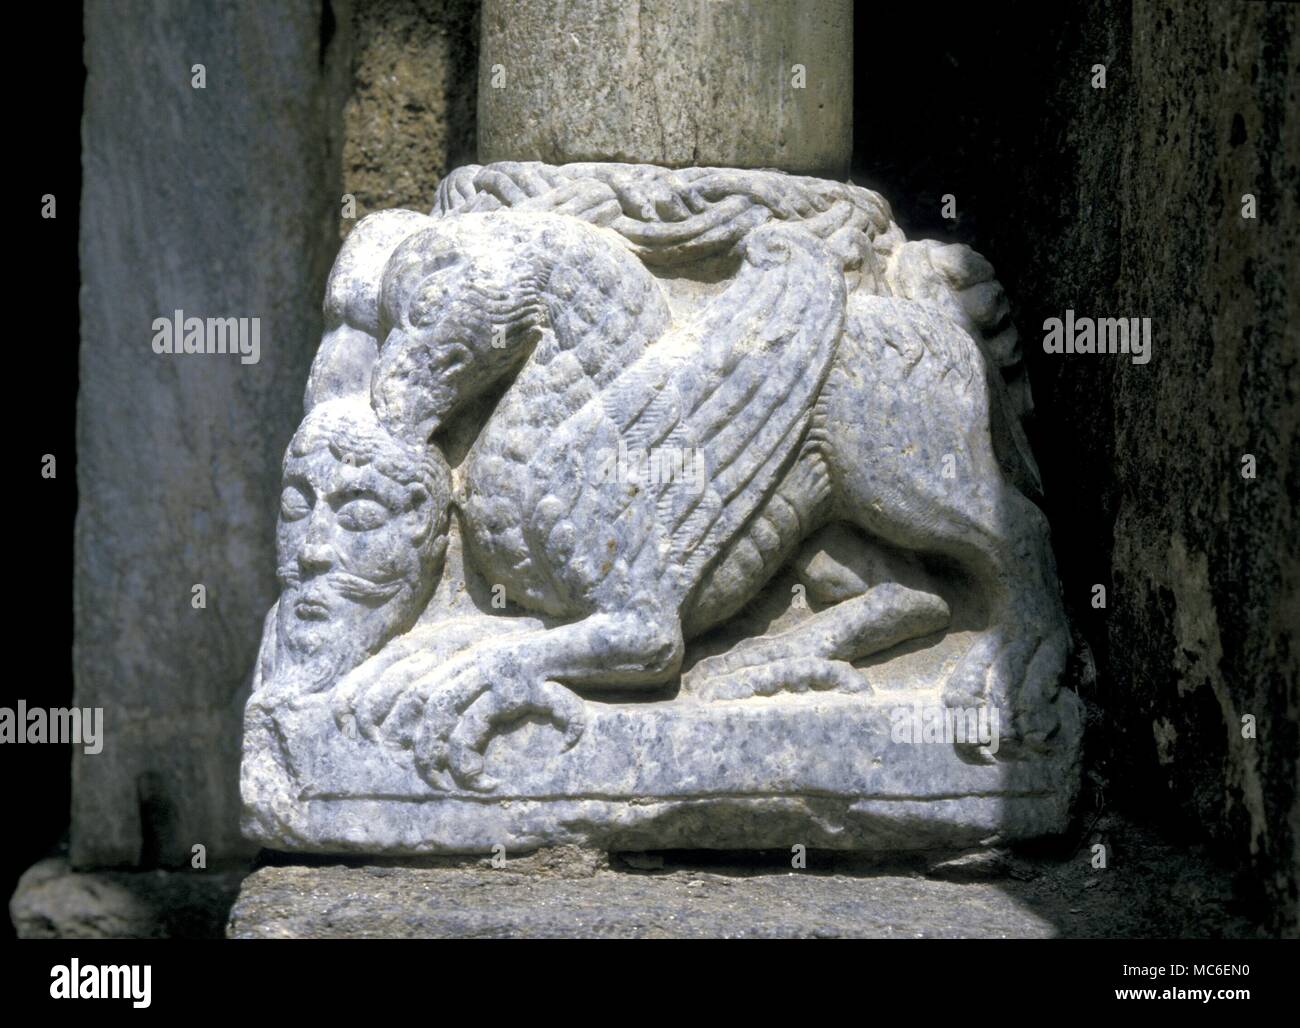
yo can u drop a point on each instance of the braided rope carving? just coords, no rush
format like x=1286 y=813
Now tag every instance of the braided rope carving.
x=671 y=217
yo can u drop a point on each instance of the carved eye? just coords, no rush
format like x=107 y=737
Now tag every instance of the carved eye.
x=450 y=359
x=425 y=305
x=294 y=503
x=361 y=512
x=422 y=313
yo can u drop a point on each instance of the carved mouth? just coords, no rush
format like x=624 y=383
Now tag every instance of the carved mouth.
x=368 y=591
x=312 y=609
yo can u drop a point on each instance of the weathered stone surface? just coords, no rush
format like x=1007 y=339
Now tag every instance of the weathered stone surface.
x=1206 y=562
x=54 y=902
x=669 y=82
x=410 y=115
x=1151 y=890
x=604 y=650
x=412 y=903
x=1137 y=198
x=1126 y=201
x=818 y=773
x=218 y=202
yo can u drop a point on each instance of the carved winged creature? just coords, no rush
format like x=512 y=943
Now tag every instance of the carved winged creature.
x=809 y=395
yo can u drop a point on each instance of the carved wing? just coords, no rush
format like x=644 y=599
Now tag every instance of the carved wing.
x=721 y=403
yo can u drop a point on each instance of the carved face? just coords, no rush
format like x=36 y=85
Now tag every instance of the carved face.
x=361 y=534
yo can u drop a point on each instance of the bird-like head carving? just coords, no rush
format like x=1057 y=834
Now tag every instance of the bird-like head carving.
x=460 y=307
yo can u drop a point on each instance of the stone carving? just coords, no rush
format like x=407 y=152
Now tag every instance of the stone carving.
x=647 y=508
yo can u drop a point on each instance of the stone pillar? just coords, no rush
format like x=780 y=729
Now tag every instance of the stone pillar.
x=669 y=82
x=209 y=191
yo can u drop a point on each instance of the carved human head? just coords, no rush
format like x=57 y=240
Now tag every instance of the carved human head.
x=360 y=539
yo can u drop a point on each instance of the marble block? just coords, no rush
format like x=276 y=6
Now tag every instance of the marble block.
x=640 y=508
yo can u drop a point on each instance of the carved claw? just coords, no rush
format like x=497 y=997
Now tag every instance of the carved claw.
x=453 y=736
x=367 y=696
x=448 y=709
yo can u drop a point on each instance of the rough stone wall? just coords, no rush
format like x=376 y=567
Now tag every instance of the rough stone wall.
x=1206 y=563
x=220 y=202
x=410 y=117
x=1127 y=202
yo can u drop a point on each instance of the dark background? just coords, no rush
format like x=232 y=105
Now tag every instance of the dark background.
x=43 y=276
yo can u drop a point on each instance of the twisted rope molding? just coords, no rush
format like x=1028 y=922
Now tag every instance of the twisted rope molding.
x=671 y=217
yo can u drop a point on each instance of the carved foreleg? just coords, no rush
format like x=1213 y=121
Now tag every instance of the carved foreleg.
x=448 y=714
x=883 y=616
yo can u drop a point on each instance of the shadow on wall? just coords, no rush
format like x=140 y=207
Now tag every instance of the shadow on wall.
x=1126 y=201
x=39 y=777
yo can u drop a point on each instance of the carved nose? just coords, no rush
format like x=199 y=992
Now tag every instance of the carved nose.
x=315 y=556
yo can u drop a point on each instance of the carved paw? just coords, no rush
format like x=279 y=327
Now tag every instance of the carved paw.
x=366 y=696
x=1018 y=672
x=447 y=711
x=453 y=737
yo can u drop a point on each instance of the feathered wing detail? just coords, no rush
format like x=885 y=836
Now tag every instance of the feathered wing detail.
x=645 y=484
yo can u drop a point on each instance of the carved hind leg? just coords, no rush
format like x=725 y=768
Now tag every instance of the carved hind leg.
x=796 y=660
x=912 y=462
x=1018 y=661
